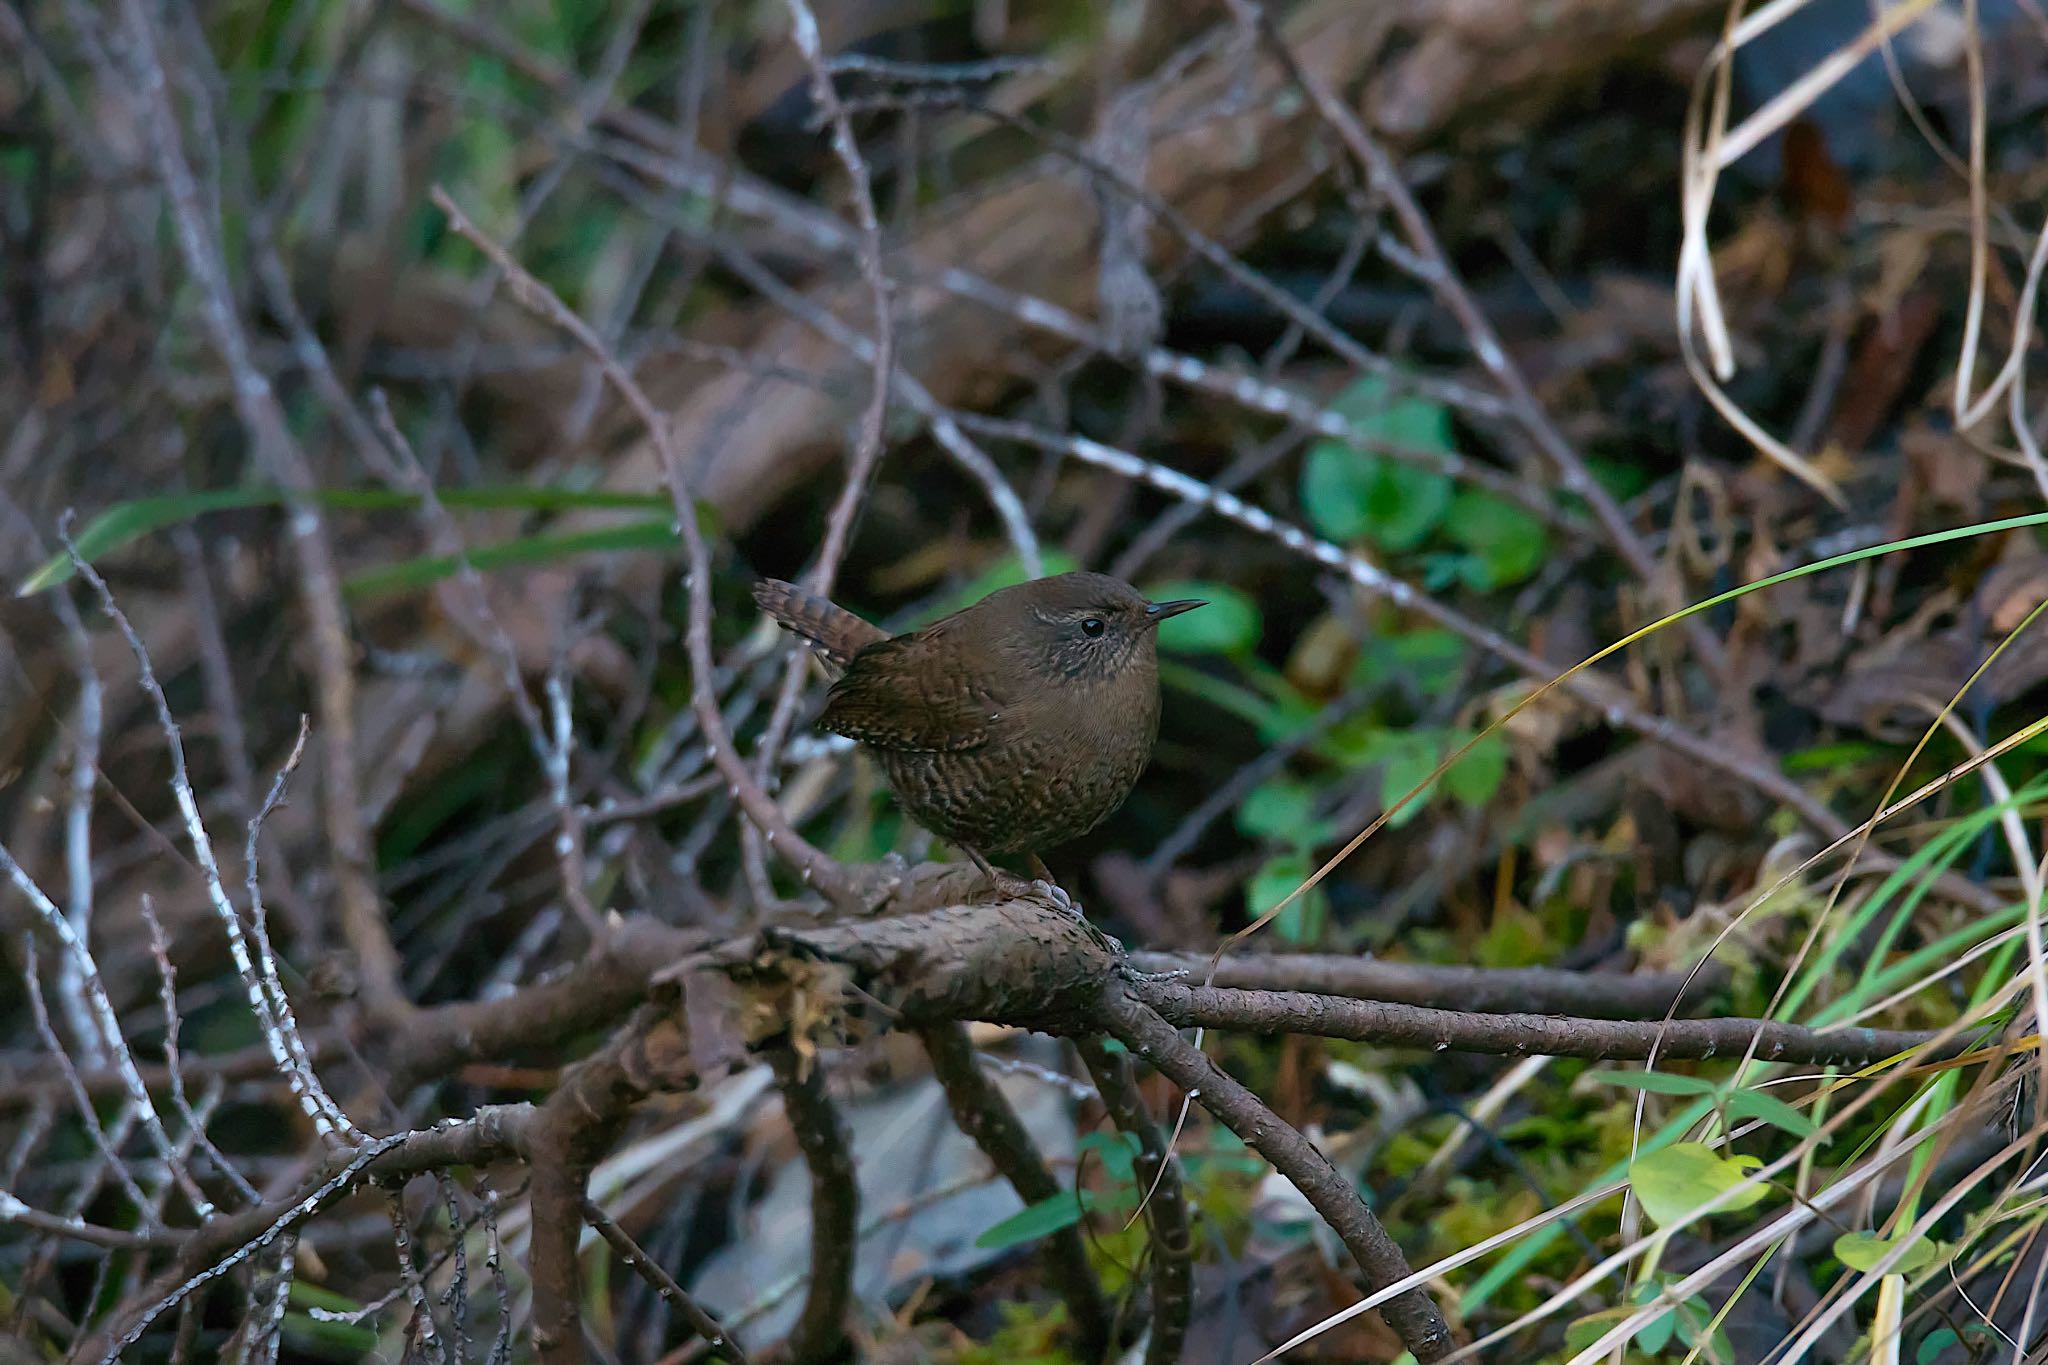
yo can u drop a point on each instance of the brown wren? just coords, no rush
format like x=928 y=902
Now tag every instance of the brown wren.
x=1014 y=724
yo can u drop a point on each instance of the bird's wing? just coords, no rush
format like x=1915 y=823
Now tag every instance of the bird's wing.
x=897 y=694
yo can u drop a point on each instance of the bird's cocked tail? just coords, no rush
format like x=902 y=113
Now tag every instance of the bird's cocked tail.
x=837 y=632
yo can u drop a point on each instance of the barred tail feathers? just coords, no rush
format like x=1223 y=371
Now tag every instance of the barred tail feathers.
x=837 y=632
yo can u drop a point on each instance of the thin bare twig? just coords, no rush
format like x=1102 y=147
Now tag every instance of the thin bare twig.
x=258 y=969
x=647 y=1268
x=867 y=451
x=218 y=1247
x=421 y=1329
x=811 y=864
x=1375 y=1021
x=256 y=404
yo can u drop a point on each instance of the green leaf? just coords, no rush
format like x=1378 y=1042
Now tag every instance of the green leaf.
x=1285 y=719
x=1863 y=1250
x=1377 y=414
x=1230 y=624
x=1830 y=758
x=1657 y=1082
x=1474 y=779
x=1934 y=1343
x=1589 y=1329
x=1336 y=481
x=1655 y=1335
x=126 y=522
x=1673 y=1181
x=1403 y=504
x=1409 y=759
x=1273 y=722
x=1347 y=493
x=1690 y=1318
x=1426 y=660
x=1300 y=923
x=1116 y=1150
x=1507 y=541
x=1756 y=1104
x=1280 y=809
x=1034 y=1221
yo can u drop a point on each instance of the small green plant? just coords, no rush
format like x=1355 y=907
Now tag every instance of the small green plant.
x=1685 y=1327
x=1464 y=537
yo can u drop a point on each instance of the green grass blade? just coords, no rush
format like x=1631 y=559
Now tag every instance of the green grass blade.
x=409 y=574
x=127 y=522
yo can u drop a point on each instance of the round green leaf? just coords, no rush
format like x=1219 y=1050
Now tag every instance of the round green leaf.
x=1410 y=759
x=1300 y=923
x=1673 y=1181
x=1335 y=483
x=1281 y=809
x=1347 y=493
x=1507 y=541
x=1403 y=503
x=1475 y=778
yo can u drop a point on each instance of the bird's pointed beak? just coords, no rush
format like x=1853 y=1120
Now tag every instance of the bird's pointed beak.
x=1159 y=611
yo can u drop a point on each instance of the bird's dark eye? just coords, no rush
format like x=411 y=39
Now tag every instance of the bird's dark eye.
x=1091 y=626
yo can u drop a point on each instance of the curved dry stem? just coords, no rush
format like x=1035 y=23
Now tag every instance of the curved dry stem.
x=1165 y=1206
x=835 y=1207
x=1411 y=1314
x=985 y=1115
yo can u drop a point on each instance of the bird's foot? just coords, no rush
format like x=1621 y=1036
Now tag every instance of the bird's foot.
x=998 y=885
x=1130 y=973
x=1054 y=892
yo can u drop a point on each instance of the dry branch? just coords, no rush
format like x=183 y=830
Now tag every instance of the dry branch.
x=1165 y=1205
x=1412 y=1314
x=835 y=1206
x=1035 y=238
x=981 y=1111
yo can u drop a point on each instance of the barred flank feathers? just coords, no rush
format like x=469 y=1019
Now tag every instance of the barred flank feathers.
x=836 y=632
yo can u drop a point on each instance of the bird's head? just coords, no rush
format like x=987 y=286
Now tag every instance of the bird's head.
x=1080 y=627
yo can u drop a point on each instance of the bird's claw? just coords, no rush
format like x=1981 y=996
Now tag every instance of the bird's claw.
x=1138 y=978
x=1053 y=892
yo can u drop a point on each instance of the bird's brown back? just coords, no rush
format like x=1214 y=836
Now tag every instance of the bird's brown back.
x=1001 y=727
